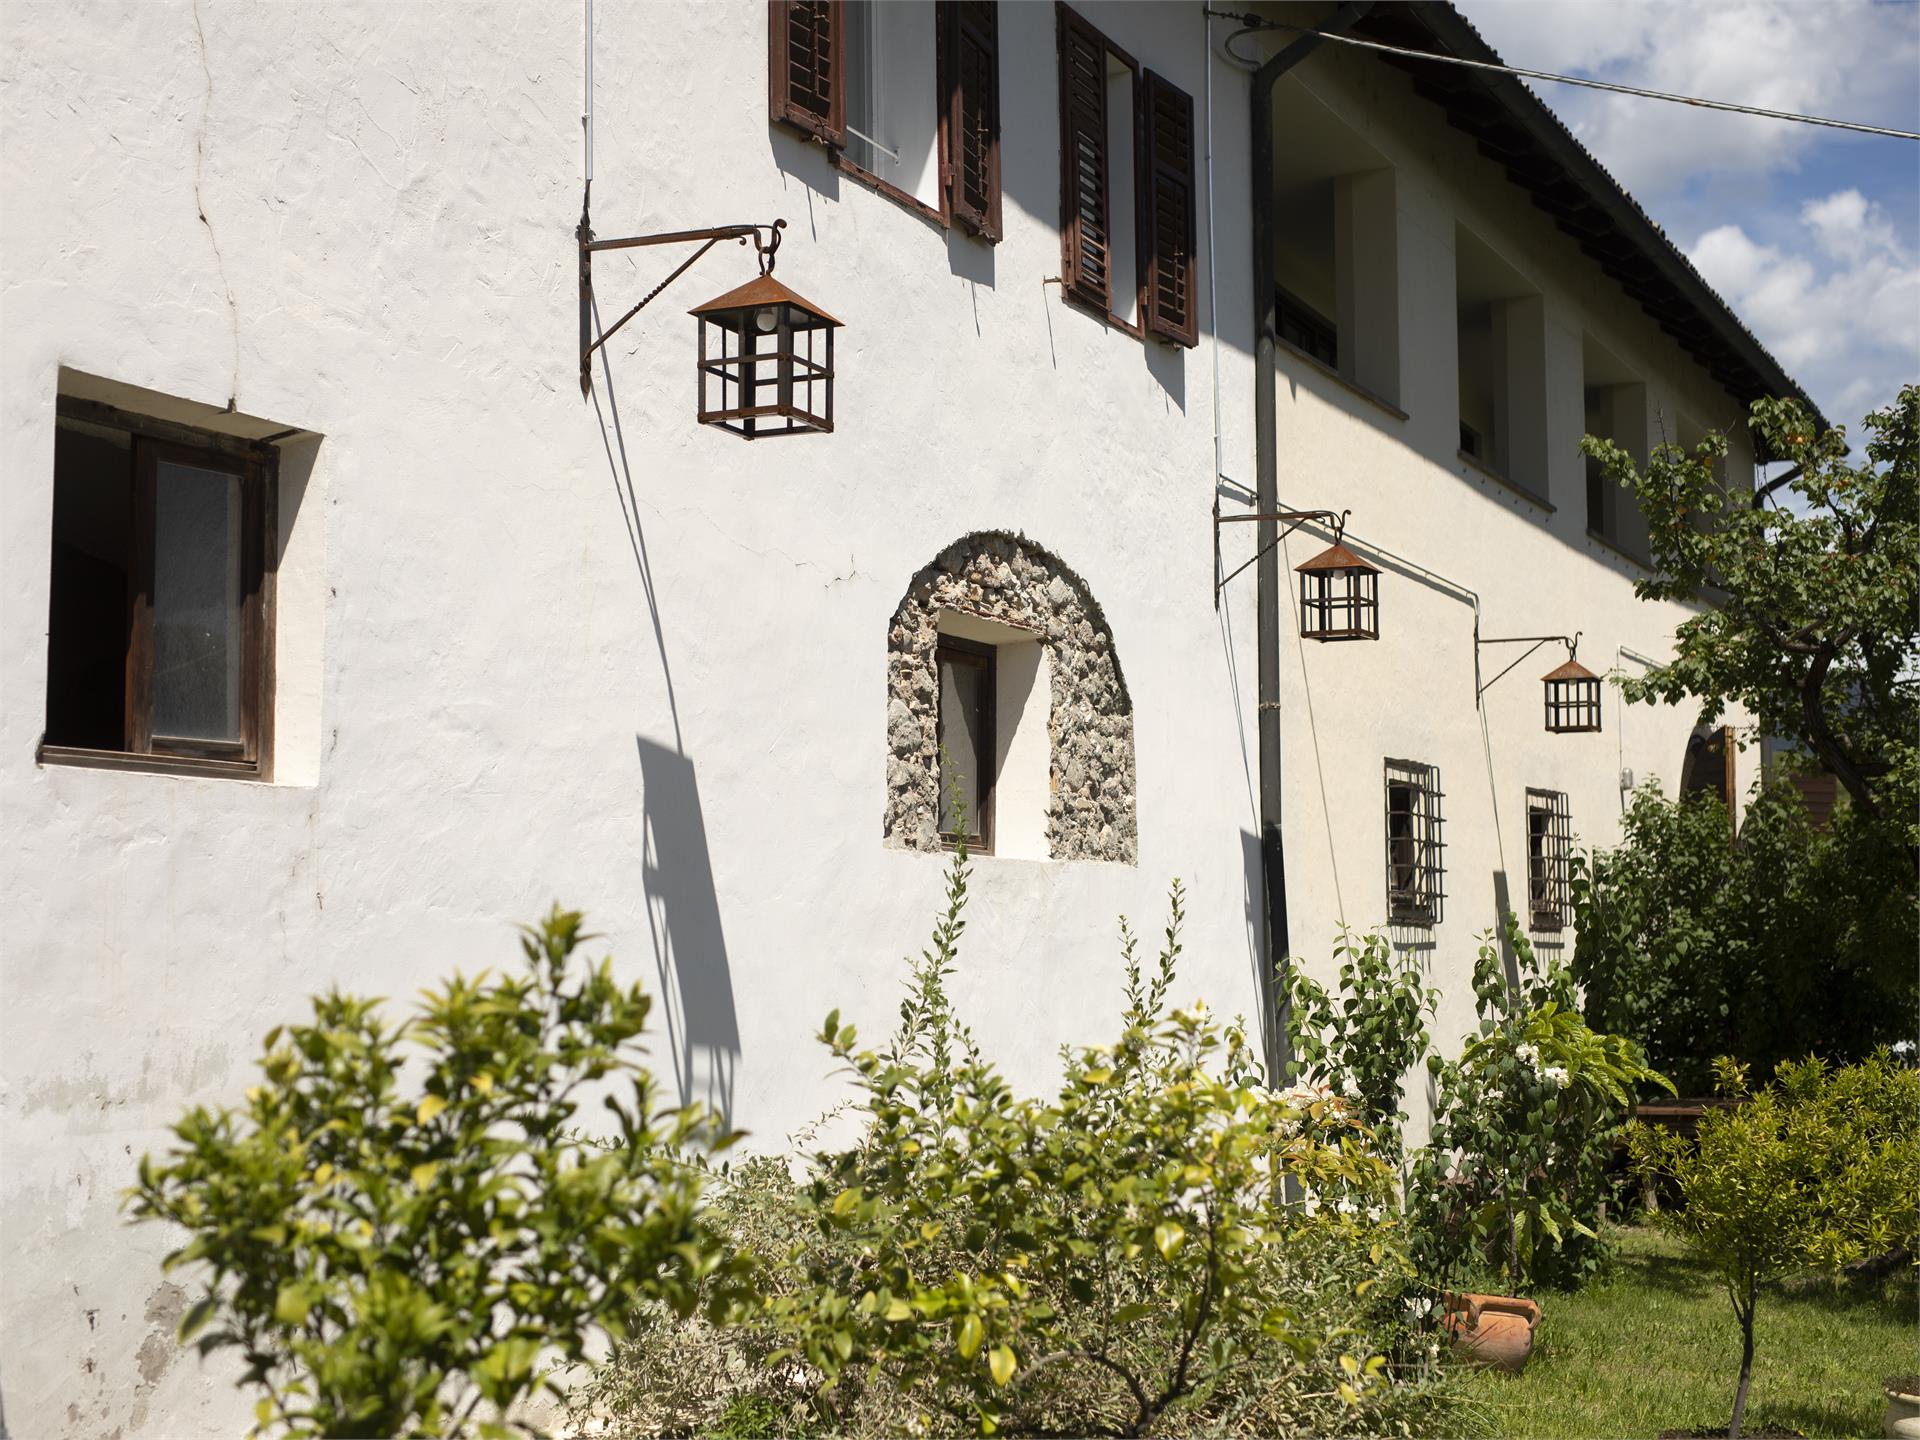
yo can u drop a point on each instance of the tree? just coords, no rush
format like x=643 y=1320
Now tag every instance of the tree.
x=389 y=1257
x=1811 y=622
x=1797 y=940
x=1814 y=1170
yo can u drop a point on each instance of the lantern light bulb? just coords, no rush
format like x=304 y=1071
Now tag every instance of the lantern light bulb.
x=764 y=321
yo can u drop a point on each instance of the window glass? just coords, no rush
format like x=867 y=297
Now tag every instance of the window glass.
x=963 y=682
x=197 y=642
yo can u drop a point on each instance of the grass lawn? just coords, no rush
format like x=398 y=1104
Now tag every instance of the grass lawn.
x=1655 y=1347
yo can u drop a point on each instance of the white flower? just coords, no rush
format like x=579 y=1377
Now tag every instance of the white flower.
x=1529 y=1055
x=1555 y=1075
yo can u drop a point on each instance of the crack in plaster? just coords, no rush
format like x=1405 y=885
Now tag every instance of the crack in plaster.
x=200 y=204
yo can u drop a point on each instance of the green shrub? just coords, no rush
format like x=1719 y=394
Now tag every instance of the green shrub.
x=1817 y=1169
x=1794 y=941
x=1118 y=1258
x=392 y=1248
x=1361 y=1040
x=1524 y=1129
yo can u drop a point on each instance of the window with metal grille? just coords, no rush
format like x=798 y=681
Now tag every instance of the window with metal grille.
x=1415 y=869
x=1549 y=860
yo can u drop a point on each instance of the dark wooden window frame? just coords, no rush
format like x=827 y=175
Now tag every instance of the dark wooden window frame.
x=830 y=129
x=952 y=650
x=1291 y=311
x=1416 y=879
x=1070 y=28
x=251 y=757
x=1549 y=860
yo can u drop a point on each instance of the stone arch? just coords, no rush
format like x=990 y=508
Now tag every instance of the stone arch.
x=1006 y=579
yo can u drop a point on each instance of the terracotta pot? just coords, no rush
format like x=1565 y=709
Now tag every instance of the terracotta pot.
x=1902 y=1420
x=1495 y=1330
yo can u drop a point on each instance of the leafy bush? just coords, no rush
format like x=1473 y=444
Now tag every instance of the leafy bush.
x=1361 y=1040
x=1817 y=1169
x=388 y=1257
x=1119 y=1258
x=1795 y=941
x=1524 y=1129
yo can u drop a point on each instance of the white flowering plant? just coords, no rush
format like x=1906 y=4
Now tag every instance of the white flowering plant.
x=1525 y=1126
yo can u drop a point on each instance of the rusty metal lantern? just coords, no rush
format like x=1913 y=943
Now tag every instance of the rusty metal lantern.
x=1572 y=699
x=766 y=360
x=1339 y=596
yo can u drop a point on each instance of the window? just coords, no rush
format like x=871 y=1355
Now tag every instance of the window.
x=906 y=98
x=158 y=619
x=1126 y=229
x=1615 y=402
x=1414 y=869
x=965 y=671
x=1549 y=860
x=1336 y=244
x=1501 y=340
x=1306 y=329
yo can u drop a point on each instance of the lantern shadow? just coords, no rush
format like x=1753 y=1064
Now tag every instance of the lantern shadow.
x=689 y=941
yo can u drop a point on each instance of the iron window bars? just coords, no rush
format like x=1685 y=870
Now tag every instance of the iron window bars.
x=1549 y=860
x=1416 y=872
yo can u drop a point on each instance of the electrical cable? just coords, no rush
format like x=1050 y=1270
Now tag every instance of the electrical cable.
x=1255 y=22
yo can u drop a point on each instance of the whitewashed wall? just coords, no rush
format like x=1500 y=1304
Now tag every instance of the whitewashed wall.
x=536 y=647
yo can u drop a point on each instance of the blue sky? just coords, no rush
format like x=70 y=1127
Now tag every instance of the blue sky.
x=1812 y=235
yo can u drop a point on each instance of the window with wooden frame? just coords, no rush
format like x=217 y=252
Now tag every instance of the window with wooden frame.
x=906 y=98
x=159 y=625
x=1549 y=860
x=1127 y=192
x=965 y=671
x=1306 y=329
x=1415 y=869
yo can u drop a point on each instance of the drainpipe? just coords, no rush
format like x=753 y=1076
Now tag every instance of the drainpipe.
x=1273 y=867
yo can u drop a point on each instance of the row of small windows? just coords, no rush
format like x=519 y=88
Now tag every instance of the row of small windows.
x=1337 y=303
x=1416 y=851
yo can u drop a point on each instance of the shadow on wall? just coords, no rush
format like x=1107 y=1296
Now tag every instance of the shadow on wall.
x=689 y=943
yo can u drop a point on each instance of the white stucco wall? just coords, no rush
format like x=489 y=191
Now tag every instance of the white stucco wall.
x=533 y=646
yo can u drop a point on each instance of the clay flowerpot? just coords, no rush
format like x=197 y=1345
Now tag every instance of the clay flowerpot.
x=1902 y=1420
x=1495 y=1330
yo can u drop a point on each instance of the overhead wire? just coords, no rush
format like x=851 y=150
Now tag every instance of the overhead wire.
x=1256 y=22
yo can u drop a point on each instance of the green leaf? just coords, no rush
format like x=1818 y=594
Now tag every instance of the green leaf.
x=1167 y=1237
x=192 y=1322
x=968 y=1335
x=1001 y=1362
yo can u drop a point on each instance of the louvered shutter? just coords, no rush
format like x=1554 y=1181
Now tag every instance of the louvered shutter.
x=970 y=96
x=804 y=86
x=1168 y=223
x=1084 y=233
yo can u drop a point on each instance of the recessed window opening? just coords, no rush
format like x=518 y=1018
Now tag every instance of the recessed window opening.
x=1615 y=402
x=158 y=638
x=1549 y=860
x=966 y=742
x=1501 y=342
x=1336 y=263
x=1415 y=873
x=892 y=100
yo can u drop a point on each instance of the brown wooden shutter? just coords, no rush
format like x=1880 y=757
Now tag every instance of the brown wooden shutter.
x=1084 y=231
x=805 y=88
x=970 y=112
x=1167 y=195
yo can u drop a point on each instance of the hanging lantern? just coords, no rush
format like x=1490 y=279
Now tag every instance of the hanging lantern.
x=1339 y=596
x=1573 y=699
x=766 y=361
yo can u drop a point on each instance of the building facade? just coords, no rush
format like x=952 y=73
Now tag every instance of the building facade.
x=339 y=629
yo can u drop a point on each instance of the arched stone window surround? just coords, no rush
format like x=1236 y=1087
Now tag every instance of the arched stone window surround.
x=1005 y=579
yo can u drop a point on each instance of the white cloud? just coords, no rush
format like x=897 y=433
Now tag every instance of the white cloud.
x=1841 y=310
x=1844 y=59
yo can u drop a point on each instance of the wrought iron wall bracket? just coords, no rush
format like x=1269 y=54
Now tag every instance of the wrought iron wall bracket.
x=1533 y=642
x=1335 y=520
x=711 y=237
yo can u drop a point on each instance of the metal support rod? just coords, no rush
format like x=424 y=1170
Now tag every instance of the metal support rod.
x=1292 y=519
x=712 y=235
x=1572 y=642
